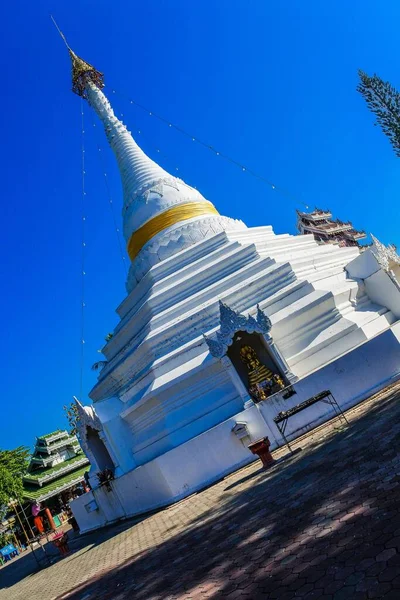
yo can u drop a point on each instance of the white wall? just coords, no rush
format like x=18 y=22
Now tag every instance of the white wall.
x=381 y=289
x=217 y=452
x=351 y=378
x=379 y=286
x=363 y=265
x=87 y=521
x=175 y=474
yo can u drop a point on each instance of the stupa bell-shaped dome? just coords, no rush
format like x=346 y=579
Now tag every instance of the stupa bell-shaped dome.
x=161 y=213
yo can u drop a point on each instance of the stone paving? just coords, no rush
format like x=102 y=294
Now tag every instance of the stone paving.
x=324 y=523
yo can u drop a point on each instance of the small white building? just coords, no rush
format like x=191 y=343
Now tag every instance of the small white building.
x=219 y=321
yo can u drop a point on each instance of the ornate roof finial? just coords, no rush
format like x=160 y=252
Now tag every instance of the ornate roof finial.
x=82 y=72
x=385 y=255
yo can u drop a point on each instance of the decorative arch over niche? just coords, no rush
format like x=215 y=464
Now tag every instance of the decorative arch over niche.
x=92 y=438
x=233 y=323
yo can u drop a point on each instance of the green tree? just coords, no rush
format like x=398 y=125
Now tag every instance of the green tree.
x=13 y=465
x=384 y=101
x=71 y=412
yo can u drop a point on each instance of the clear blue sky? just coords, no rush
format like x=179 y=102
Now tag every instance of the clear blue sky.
x=269 y=83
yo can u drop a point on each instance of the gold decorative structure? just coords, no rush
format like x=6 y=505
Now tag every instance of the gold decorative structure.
x=173 y=215
x=82 y=72
x=262 y=381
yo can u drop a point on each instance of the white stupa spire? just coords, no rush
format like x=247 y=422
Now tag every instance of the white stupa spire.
x=161 y=213
x=138 y=172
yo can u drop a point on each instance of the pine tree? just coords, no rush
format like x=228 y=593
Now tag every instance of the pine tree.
x=384 y=101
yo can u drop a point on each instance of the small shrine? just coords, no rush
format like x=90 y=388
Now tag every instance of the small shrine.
x=326 y=230
x=262 y=382
x=55 y=476
x=251 y=351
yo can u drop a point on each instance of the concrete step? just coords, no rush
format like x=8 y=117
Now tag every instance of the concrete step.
x=298 y=324
x=321 y=262
x=366 y=313
x=259 y=275
x=376 y=326
x=333 y=342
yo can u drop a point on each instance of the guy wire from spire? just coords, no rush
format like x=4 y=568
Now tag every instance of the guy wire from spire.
x=216 y=152
x=187 y=134
x=83 y=256
x=102 y=166
x=111 y=204
x=155 y=149
x=159 y=152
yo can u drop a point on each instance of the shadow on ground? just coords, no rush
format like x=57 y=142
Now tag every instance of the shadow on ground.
x=323 y=524
x=26 y=565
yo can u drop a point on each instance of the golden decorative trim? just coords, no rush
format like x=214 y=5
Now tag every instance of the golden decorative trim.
x=82 y=72
x=173 y=215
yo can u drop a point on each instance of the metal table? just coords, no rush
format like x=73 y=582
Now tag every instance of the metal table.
x=326 y=396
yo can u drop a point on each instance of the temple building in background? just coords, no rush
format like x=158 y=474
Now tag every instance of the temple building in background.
x=326 y=230
x=223 y=327
x=56 y=472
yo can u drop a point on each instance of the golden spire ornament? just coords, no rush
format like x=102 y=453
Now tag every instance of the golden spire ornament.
x=82 y=71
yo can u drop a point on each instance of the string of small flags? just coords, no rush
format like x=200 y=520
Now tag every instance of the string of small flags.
x=215 y=151
x=139 y=132
x=117 y=230
x=83 y=254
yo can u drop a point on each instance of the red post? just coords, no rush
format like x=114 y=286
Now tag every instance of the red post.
x=261 y=448
x=39 y=524
x=61 y=541
x=50 y=519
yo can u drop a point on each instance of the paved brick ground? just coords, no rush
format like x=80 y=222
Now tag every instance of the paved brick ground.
x=324 y=523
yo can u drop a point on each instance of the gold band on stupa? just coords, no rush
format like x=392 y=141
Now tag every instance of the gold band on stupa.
x=181 y=212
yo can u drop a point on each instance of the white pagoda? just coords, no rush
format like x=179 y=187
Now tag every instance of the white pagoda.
x=223 y=327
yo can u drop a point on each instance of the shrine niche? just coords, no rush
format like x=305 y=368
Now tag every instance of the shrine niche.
x=255 y=366
x=98 y=449
x=92 y=438
x=247 y=343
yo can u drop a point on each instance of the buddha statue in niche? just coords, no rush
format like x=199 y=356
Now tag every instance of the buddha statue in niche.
x=262 y=382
